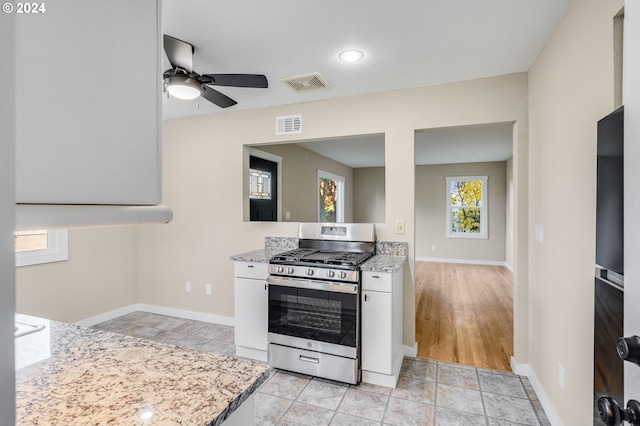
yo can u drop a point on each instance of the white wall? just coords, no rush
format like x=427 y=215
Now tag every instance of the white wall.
x=508 y=244
x=571 y=86
x=431 y=213
x=100 y=276
x=632 y=176
x=202 y=181
x=7 y=200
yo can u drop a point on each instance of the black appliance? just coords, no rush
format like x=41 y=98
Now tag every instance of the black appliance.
x=609 y=271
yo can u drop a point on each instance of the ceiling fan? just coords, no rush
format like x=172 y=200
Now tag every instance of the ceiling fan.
x=182 y=82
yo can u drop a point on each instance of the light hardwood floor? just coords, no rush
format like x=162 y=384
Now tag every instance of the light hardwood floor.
x=464 y=314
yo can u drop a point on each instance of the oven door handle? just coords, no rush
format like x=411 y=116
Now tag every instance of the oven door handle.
x=313 y=285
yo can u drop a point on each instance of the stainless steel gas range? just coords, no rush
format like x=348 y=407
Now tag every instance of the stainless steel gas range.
x=314 y=301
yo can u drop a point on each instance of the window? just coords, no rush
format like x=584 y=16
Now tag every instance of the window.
x=330 y=197
x=44 y=246
x=259 y=184
x=467 y=207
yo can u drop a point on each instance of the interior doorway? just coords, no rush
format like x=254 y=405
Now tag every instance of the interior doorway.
x=464 y=280
x=263 y=189
x=464 y=314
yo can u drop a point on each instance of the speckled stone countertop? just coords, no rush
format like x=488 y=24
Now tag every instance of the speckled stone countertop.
x=262 y=255
x=383 y=263
x=390 y=255
x=272 y=246
x=71 y=375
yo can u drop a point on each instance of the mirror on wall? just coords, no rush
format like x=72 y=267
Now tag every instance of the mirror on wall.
x=338 y=179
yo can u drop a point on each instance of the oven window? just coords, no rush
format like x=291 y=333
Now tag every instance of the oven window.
x=319 y=315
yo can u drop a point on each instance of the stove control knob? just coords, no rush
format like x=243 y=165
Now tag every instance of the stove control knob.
x=331 y=274
x=289 y=270
x=280 y=269
x=309 y=271
x=342 y=275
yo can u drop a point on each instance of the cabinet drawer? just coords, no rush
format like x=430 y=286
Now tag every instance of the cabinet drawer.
x=377 y=281
x=256 y=270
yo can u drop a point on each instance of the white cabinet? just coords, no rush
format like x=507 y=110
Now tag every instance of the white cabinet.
x=382 y=351
x=88 y=93
x=250 y=303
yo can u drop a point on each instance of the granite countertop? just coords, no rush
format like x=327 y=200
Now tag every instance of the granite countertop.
x=383 y=263
x=262 y=255
x=68 y=374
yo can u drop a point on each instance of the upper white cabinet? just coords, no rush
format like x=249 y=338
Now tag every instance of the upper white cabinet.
x=88 y=92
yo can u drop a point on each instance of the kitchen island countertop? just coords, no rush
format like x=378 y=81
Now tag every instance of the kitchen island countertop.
x=67 y=374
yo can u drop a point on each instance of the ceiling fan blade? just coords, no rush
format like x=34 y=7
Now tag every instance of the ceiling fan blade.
x=180 y=53
x=239 y=80
x=212 y=95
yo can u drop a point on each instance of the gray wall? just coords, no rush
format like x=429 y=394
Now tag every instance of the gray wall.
x=368 y=195
x=300 y=179
x=7 y=202
x=431 y=213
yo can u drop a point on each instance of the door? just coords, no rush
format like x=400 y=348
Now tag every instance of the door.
x=319 y=315
x=376 y=332
x=251 y=313
x=263 y=192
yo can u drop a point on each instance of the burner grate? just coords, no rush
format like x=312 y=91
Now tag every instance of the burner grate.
x=294 y=255
x=348 y=258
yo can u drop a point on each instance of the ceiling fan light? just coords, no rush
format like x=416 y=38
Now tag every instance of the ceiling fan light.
x=183 y=87
x=351 y=55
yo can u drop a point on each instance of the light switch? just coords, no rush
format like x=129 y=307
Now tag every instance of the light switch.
x=400 y=227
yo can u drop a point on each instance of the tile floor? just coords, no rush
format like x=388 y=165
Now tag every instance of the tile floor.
x=428 y=392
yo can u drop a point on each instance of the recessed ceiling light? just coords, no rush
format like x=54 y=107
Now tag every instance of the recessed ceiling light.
x=351 y=55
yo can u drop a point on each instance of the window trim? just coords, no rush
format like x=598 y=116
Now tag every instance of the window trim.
x=57 y=250
x=341 y=188
x=484 y=209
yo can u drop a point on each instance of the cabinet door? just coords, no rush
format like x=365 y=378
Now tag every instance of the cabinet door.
x=88 y=92
x=251 y=313
x=376 y=332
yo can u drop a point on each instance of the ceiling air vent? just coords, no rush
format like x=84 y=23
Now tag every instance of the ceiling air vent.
x=289 y=124
x=305 y=83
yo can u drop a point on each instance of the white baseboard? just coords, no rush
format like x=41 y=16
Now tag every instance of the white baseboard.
x=526 y=370
x=162 y=310
x=519 y=369
x=411 y=351
x=88 y=322
x=508 y=266
x=467 y=261
x=192 y=315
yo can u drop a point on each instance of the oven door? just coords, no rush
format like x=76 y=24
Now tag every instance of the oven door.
x=320 y=316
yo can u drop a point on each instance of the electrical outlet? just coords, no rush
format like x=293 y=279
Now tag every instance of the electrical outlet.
x=187 y=287
x=433 y=247
x=539 y=233
x=400 y=227
x=207 y=289
x=287 y=215
x=561 y=376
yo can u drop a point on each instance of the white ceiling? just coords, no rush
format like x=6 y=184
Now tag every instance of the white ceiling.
x=451 y=145
x=408 y=43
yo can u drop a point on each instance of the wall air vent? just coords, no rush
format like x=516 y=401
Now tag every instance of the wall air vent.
x=305 y=83
x=289 y=124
